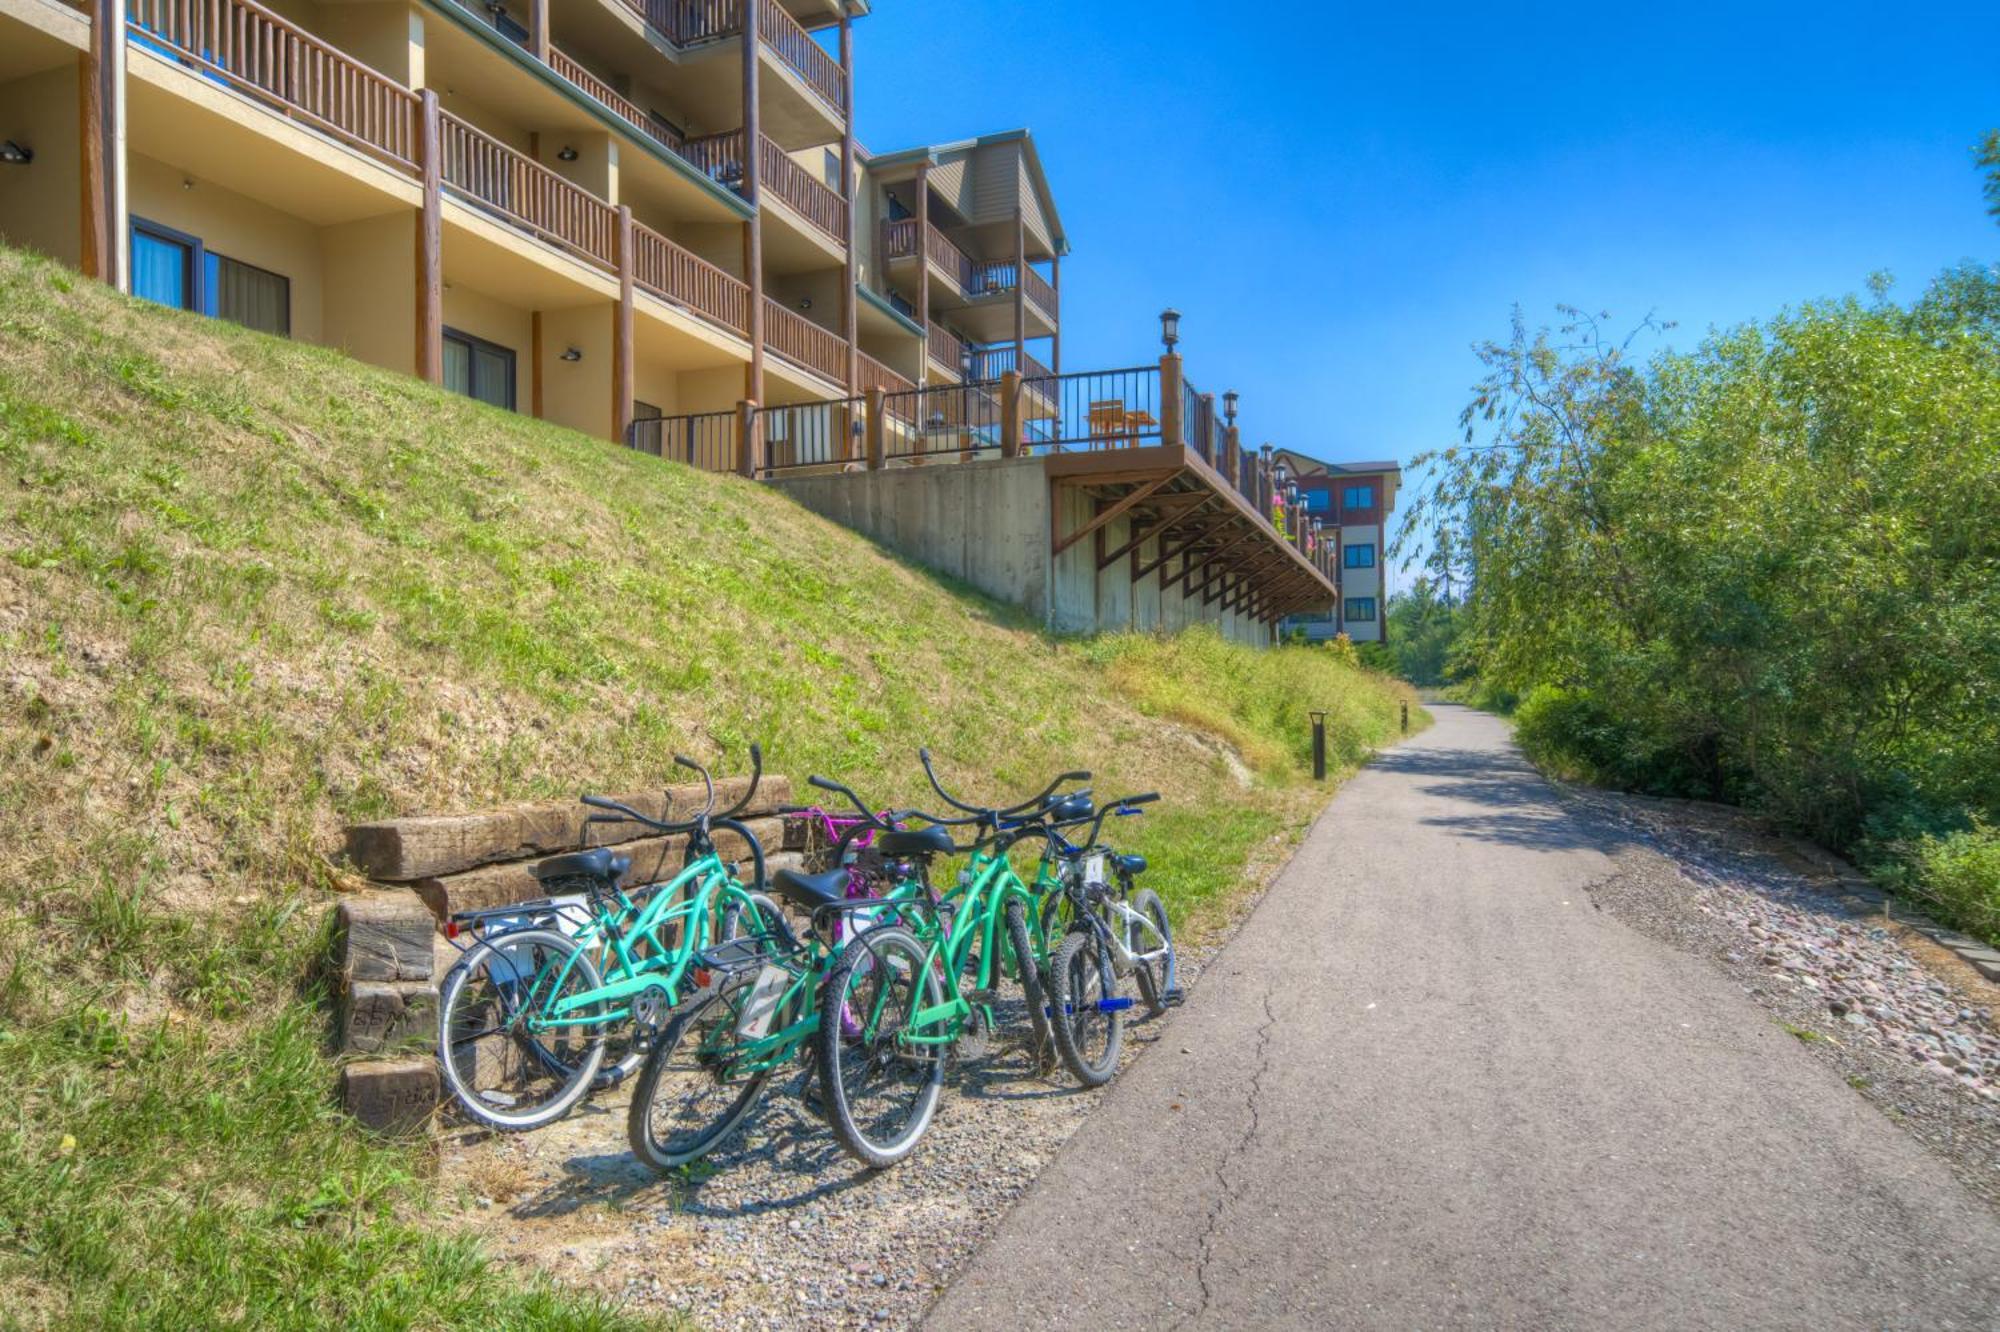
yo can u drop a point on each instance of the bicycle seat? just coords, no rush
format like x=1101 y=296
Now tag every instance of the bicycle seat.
x=1069 y=809
x=809 y=891
x=924 y=842
x=599 y=863
x=1129 y=864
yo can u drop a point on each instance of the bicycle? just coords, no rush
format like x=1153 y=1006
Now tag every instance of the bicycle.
x=525 y=1015
x=760 y=1006
x=900 y=983
x=1107 y=932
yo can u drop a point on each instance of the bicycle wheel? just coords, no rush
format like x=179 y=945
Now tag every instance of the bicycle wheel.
x=686 y=1102
x=1032 y=990
x=503 y=1074
x=880 y=1091
x=1087 y=1013
x=1157 y=977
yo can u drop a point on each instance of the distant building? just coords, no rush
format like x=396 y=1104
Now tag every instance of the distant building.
x=1353 y=500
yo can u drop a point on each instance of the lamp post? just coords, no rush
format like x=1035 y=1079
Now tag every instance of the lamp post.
x=1229 y=406
x=1170 y=328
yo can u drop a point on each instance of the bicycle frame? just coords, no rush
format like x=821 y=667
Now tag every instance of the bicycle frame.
x=988 y=884
x=614 y=938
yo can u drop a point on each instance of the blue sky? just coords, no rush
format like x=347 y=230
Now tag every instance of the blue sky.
x=1342 y=199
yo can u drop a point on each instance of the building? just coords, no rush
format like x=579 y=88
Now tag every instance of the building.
x=649 y=220
x=1352 y=502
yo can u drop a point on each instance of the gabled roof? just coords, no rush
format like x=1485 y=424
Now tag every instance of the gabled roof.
x=1342 y=468
x=1037 y=177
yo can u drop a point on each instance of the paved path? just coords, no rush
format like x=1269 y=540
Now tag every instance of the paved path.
x=1429 y=1085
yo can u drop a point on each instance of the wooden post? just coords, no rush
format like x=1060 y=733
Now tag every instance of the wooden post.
x=1010 y=413
x=107 y=233
x=1173 y=430
x=538 y=30
x=535 y=363
x=753 y=230
x=749 y=443
x=1055 y=343
x=924 y=254
x=1020 y=288
x=621 y=332
x=430 y=241
x=1206 y=426
x=849 y=314
x=1232 y=453
x=876 y=424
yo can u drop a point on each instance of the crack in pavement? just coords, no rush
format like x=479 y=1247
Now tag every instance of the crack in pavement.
x=1226 y=1190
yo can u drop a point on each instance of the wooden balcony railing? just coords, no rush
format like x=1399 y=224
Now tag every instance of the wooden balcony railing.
x=899 y=241
x=253 y=50
x=992 y=362
x=798 y=187
x=525 y=193
x=998 y=275
x=804 y=343
x=690 y=22
x=873 y=374
x=649 y=125
x=718 y=156
x=946 y=348
x=680 y=278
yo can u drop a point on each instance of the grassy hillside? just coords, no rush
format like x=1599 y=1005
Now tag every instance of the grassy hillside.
x=250 y=591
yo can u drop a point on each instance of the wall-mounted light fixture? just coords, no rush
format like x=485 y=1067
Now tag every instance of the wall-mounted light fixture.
x=1170 y=327
x=572 y=353
x=805 y=302
x=14 y=153
x=566 y=154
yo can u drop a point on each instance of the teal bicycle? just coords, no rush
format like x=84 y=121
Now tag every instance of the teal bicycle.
x=896 y=1003
x=527 y=1014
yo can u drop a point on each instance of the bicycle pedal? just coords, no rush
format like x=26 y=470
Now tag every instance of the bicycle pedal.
x=1173 y=998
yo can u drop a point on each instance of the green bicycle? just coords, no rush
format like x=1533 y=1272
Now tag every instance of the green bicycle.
x=526 y=1014
x=894 y=1007
x=759 y=1003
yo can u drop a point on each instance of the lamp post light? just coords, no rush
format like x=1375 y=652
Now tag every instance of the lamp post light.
x=1170 y=328
x=1229 y=406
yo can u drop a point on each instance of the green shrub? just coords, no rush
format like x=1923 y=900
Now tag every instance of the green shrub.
x=1960 y=874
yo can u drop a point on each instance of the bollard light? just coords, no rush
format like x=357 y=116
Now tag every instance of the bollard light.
x=1170 y=328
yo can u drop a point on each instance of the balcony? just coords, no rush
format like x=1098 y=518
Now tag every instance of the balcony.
x=720 y=158
x=982 y=289
x=692 y=23
x=805 y=344
x=946 y=350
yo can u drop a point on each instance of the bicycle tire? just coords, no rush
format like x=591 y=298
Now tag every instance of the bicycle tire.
x=1081 y=974
x=670 y=1064
x=878 y=1140
x=1155 y=978
x=569 y=1063
x=1040 y=1033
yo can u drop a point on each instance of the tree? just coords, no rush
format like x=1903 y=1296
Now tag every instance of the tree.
x=1987 y=154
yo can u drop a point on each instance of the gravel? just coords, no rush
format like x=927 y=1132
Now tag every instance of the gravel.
x=781 y=1229
x=1906 y=1023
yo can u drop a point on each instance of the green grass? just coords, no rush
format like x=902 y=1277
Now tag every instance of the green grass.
x=251 y=591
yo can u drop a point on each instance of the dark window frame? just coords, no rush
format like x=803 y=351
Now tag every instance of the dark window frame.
x=1364 y=548
x=208 y=292
x=1367 y=500
x=1351 y=612
x=475 y=344
x=194 y=280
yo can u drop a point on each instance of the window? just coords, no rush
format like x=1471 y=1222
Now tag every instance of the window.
x=478 y=369
x=1318 y=499
x=1361 y=609
x=247 y=295
x=1358 y=497
x=832 y=165
x=163 y=265
x=1359 y=557
x=175 y=269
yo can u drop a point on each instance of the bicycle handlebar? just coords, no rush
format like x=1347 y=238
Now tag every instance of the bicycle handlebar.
x=708 y=815
x=924 y=755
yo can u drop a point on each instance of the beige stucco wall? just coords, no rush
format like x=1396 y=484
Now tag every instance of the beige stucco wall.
x=369 y=306
x=41 y=204
x=243 y=229
x=576 y=394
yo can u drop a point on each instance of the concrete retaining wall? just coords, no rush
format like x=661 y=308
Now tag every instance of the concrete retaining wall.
x=987 y=523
